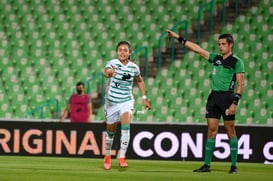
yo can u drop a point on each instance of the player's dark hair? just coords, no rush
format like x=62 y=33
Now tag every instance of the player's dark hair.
x=80 y=83
x=124 y=43
x=228 y=37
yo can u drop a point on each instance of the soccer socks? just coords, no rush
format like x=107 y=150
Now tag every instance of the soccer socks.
x=233 y=144
x=109 y=142
x=124 y=140
x=210 y=145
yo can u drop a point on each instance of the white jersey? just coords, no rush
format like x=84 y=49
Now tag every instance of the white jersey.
x=119 y=87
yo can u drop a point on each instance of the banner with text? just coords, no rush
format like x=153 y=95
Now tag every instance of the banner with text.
x=148 y=141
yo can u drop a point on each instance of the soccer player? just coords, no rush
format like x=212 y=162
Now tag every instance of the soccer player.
x=227 y=69
x=79 y=106
x=119 y=101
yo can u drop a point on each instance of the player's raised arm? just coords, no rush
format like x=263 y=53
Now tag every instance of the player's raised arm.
x=190 y=45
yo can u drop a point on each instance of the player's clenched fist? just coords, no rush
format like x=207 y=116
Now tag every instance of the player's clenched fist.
x=110 y=72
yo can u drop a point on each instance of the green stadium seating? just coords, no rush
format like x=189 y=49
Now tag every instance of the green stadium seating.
x=47 y=46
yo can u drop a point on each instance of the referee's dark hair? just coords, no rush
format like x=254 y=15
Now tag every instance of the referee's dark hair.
x=124 y=43
x=228 y=37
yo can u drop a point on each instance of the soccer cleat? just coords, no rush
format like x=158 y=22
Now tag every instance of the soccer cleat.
x=204 y=168
x=123 y=163
x=233 y=169
x=107 y=162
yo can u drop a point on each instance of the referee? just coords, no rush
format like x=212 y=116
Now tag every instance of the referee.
x=227 y=69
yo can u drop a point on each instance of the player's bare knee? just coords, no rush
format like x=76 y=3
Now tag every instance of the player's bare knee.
x=212 y=133
x=126 y=118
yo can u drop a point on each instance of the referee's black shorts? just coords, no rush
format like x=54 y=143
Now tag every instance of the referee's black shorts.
x=217 y=104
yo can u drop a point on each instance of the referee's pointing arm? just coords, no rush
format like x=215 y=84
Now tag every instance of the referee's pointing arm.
x=190 y=45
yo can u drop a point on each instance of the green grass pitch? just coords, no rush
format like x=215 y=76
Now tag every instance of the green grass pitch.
x=25 y=168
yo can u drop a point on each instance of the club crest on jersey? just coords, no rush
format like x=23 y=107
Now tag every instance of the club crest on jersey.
x=131 y=69
x=218 y=62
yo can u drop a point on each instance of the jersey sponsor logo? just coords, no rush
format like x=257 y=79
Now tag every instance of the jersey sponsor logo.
x=126 y=76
